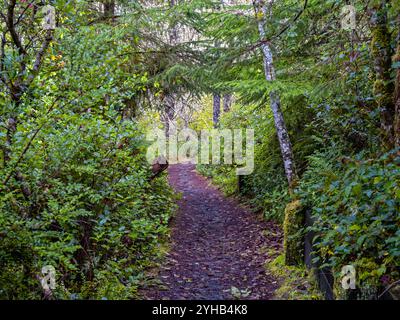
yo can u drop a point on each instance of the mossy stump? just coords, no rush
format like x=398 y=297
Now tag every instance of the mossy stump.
x=293 y=241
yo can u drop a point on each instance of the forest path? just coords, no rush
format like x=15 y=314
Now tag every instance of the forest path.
x=217 y=246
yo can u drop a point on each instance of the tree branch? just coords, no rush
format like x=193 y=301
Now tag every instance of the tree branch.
x=293 y=21
x=40 y=55
x=2 y=56
x=27 y=146
x=11 y=27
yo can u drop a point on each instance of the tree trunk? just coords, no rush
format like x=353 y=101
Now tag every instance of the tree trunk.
x=169 y=100
x=283 y=138
x=383 y=87
x=227 y=102
x=216 y=109
x=291 y=248
x=169 y=113
x=22 y=82
x=280 y=126
x=109 y=8
x=397 y=91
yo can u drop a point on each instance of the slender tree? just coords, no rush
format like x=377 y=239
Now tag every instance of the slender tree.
x=383 y=86
x=18 y=81
x=397 y=89
x=217 y=96
x=216 y=109
x=261 y=12
x=227 y=102
x=109 y=8
x=169 y=100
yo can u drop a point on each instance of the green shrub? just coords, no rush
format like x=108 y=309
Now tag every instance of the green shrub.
x=93 y=214
x=355 y=204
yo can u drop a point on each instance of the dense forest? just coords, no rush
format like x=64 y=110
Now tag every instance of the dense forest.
x=83 y=82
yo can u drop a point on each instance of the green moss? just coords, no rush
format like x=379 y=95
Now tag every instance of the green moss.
x=293 y=237
x=295 y=283
x=380 y=40
x=379 y=87
x=382 y=95
x=380 y=48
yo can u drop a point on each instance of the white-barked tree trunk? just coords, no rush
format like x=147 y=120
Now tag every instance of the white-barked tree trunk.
x=261 y=12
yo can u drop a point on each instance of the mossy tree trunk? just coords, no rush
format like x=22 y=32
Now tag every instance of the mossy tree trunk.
x=396 y=60
x=109 y=8
x=293 y=242
x=383 y=87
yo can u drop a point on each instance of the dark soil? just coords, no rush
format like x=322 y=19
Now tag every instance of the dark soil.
x=218 y=248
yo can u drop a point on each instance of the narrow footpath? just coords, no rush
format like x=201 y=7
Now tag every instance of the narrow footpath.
x=218 y=248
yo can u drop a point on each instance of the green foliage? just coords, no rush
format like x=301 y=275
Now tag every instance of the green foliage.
x=77 y=193
x=266 y=188
x=92 y=214
x=326 y=78
x=75 y=182
x=355 y=204
x=223 y=175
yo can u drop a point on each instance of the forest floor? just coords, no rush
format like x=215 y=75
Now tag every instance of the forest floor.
x=218 y=247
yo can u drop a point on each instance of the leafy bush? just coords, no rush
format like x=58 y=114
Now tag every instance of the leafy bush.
x=92 y=213
x=356 y=205
x=76 y=191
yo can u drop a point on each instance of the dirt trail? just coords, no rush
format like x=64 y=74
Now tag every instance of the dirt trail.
x=218 y=247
